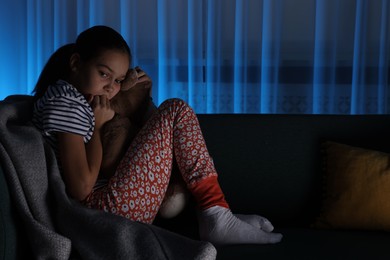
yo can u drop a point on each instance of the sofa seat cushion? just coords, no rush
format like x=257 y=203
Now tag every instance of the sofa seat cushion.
x=301 y=243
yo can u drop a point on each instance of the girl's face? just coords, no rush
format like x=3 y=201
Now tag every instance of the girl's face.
x=100 y=76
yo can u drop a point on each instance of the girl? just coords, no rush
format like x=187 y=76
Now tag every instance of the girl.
x=73 y=104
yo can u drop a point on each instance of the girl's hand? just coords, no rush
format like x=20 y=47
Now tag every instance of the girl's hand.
x=101 y=109
x=136 y=77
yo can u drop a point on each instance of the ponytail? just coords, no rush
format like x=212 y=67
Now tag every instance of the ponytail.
x=57 y=67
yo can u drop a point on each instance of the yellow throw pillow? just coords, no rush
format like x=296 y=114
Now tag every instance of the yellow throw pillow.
x=357 y=189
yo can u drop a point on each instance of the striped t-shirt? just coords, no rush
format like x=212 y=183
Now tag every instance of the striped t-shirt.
x=63 y=109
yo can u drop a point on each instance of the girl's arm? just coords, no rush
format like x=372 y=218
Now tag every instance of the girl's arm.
x=81 y=162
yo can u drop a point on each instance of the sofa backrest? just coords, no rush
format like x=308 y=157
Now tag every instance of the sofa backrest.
x=271 y=164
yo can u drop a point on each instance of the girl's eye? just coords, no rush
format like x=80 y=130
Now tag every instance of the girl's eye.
x=119 y=82
x=104 y=75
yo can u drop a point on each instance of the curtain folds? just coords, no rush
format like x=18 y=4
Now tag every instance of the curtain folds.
x=222 y=56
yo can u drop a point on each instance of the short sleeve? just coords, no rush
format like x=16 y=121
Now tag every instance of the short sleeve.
x=66 y=111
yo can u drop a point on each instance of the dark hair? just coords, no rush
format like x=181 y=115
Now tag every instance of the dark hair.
x=89 y=44
x=93 y=41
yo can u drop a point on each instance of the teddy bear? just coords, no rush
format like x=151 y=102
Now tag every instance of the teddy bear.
x=133 y=106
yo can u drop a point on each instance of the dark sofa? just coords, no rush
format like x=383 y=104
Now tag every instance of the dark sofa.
x=269 y=165
x=272 y=165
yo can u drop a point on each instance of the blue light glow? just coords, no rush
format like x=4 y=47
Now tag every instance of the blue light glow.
x=222 y=56
x=359 y=58
x=383 y=80
x=270 y=55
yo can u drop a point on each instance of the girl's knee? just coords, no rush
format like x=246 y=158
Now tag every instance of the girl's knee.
x=175 y=104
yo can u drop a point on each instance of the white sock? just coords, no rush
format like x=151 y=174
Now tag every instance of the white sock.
x=219 y=226
x=175 y=200
x=256 y=221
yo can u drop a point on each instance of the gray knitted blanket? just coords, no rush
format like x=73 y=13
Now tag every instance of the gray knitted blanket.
x=58 y=227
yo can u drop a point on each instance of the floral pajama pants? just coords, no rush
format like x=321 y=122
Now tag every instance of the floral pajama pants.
x=139 y=184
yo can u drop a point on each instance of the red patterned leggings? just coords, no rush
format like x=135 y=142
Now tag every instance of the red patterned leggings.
x=138 y=187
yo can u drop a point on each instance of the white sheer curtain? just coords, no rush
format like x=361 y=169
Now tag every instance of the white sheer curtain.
x=222 y=56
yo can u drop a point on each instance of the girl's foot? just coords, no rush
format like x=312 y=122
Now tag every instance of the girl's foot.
x=174 y=202
x=256 y=221
x=219 y=226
